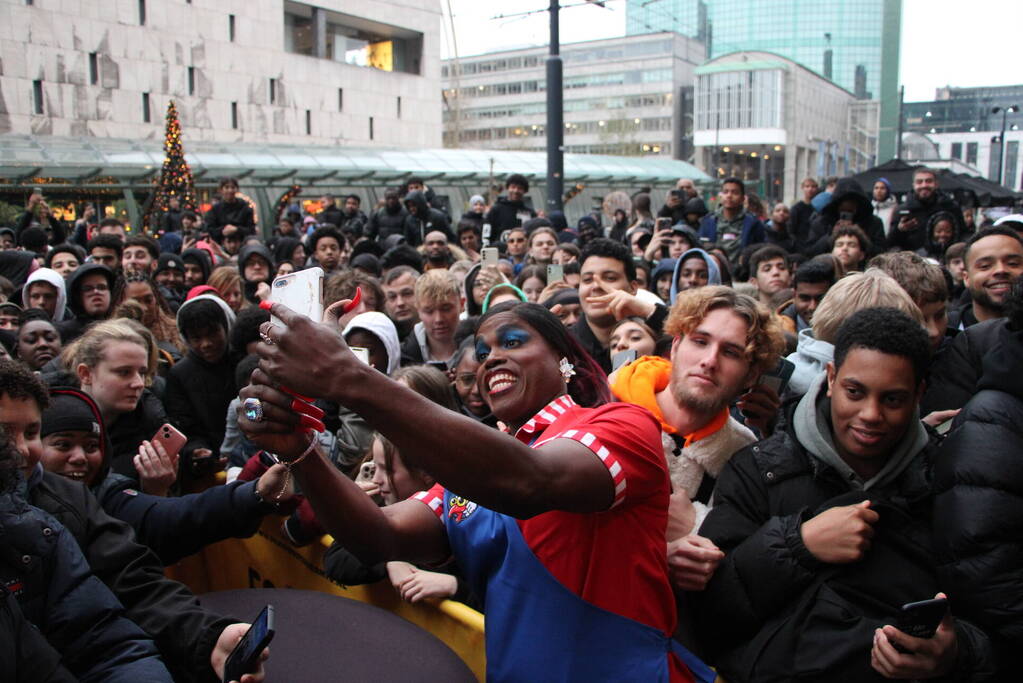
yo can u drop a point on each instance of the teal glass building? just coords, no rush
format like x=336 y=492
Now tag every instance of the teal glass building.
x=855 y=43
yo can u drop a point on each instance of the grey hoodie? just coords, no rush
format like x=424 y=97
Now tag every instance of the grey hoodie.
x=811 y=357
x=812 y=423
x=713 y=272
x=54 y=278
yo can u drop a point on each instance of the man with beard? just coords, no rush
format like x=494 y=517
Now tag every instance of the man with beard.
x=993 y=259
x=723 y=342
x=439 y=302
x=437 y=251
x=909 y=221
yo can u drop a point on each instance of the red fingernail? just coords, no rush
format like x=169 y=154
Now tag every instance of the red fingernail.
x=306 y=409
x=265 y=305
x=288 y=391
x=350 y=306
x=311 y=423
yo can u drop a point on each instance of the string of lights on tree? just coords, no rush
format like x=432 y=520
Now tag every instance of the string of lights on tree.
x=175 y=177
x=285 y=201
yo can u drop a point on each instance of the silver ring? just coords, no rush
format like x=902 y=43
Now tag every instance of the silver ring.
x=266 y=338
x=253 y=408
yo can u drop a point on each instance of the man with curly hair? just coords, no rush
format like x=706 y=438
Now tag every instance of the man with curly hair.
x=723 y=342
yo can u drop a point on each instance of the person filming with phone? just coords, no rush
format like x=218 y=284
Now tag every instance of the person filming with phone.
x=827 y=531
x=524 y=513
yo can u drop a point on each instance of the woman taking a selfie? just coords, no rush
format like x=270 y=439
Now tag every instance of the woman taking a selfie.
x=569 y=595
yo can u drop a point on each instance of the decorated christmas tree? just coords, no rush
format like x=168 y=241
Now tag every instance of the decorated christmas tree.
x=175 y=177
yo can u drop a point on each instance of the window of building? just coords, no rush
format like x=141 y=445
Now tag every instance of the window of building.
x=191 y=80
x=142 y=12
x=308 y=122
x=957 y=150
x=1011 y=159
x=351 y=40
x=971 y=153
x=370 y=127
x=230 y=27
x=273 y=91
x=93 y=68
x=37 y=96
x=234 y=115
x=147 y=116
x=340 y=99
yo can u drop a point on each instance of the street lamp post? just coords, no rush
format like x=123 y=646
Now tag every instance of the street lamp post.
x=1001 y=137
x=555 y=119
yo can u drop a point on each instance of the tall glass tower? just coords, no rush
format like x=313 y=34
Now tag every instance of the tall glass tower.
x=855 y=43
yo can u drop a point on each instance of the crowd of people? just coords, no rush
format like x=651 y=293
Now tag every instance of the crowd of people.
x=642 y=444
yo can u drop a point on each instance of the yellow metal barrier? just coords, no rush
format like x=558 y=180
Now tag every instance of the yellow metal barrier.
x=268 y=560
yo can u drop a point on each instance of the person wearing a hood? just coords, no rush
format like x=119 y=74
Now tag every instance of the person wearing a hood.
x=90 y=298
x=695 y=210
x=941 y=234
x=884 y=203
x=827 y=529
x=376 y=333
x=619 y=226
x=389 y=219
x=908 y=228
x=695 y=268
x=510 y=209
x=292 y=250
x=201 y=385
x=44 y=289
x=849 y=205
x=815 y=345
x=169 y=276
x=75 y=446
x=198 y=265
x=422 y=220
x=16 y=266
x=660 y=278
x=731 y=226
x=256 y=266
x=193 y=641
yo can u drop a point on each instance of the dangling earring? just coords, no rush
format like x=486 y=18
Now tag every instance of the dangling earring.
x=567 y=369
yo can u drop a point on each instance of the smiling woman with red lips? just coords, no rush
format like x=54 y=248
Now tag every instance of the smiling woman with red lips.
x=559 y=525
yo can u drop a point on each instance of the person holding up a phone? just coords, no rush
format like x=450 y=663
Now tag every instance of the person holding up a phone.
x=523 y=524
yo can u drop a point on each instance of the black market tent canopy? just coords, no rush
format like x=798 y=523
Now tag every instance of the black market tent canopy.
x=900 y=175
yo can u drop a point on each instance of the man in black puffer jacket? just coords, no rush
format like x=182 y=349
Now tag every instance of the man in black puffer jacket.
x=979 y=504
x=826 y=529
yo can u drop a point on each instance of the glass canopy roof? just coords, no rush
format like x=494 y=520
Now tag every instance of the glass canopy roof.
x=83 y=158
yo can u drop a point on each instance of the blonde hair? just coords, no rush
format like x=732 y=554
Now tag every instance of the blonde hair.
x=88 y=349
x=223 y=277
x=435 y=286
x=870 y=289
x=764 y=338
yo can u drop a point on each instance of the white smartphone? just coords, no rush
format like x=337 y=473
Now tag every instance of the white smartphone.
x=301 y=291
x=361 y=352
x=489 y=256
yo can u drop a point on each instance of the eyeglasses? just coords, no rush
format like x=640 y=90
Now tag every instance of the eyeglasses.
x=89 y=289
x=465 y=380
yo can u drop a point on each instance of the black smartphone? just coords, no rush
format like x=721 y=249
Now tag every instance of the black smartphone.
x=779 y=377
x=622 y=358
x=677 y=194
x=846 y=216
x=244 y=659
x=921 y=619
x=663 y=224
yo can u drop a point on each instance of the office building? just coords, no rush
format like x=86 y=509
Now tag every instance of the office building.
x=772 y=122
x=267 y=71
x=622 y=96
x=854 y=43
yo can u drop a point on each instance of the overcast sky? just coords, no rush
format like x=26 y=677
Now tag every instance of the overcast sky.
x=944 y=42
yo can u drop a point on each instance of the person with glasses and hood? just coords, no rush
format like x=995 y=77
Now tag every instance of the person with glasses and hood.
x=89 y=298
